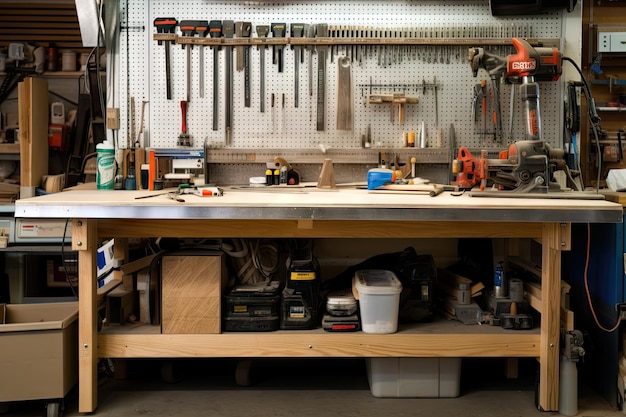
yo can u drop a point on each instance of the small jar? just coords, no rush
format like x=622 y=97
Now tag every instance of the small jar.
x=53 y=59
x=68 y=61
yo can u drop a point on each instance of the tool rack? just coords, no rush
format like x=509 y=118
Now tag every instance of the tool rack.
x=430 y=28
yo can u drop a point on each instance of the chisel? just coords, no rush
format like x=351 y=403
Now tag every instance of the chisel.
x=322 y=31
x=228 y=29
x=202 y=29
x=246 y=31
x=262 y=31
x=297 y=31
x=215 y=31
x=188 y=28
x=278 y=31
x=166 y=25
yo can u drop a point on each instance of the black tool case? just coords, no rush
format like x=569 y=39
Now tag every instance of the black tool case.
x=252 y=308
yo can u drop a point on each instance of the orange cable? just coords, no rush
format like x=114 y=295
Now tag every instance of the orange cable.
x=586 y=280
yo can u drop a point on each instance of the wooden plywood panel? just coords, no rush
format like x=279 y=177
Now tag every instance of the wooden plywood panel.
x=33 y=124
x=191 y=293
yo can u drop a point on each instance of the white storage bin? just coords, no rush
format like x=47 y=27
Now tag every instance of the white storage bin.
x=379 y=300
x=414 y=377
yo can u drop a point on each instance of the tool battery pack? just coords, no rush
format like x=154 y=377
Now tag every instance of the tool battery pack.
x=252 y=308
x=418 y=278
x=300 y=297
x=349 y=323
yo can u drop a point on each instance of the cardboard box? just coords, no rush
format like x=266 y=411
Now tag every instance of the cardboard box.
x=39 y=345
x=191 y=292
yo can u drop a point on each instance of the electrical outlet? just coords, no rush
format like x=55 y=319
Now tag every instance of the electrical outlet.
x=113 y=118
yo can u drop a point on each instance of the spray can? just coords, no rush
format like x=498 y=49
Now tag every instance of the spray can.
x=499 y=282
x=105 y=172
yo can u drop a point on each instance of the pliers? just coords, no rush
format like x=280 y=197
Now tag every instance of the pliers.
x=478 y=100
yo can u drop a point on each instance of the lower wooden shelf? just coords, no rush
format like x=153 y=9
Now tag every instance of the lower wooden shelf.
x=440 y=338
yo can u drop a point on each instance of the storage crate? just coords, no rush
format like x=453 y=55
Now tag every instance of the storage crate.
x=38 y=351
x=414 y=377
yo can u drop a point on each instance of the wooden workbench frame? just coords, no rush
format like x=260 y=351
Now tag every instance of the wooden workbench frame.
x=544 y=346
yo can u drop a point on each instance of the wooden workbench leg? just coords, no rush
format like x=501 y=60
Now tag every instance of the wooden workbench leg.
x=555 y=238
x=84 y=240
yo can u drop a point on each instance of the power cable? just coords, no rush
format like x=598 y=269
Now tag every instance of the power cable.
x=588 y=293
x=592 y=115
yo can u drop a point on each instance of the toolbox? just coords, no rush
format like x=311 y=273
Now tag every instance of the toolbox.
x=254 y=307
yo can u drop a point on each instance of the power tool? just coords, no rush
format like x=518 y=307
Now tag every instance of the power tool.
x=526 y=67
x=528 y=164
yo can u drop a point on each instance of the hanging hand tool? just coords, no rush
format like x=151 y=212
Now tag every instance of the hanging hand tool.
x=166 y=25
x=345 y=112
x=239 y=48
x=527 y=66
x=262 y=31
x=228 y=29
x=246 y=31
x=215 y=31
x=278 y=31
x=202 y=29
x=322 y=31
x=297 y=31
x=183 y=138
x=310 y=33
x=188 y=28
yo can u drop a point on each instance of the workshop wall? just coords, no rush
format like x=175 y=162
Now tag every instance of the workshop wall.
x=439 y=76
x=606 y=72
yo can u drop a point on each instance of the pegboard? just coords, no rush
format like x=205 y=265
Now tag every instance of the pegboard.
x=283 y=125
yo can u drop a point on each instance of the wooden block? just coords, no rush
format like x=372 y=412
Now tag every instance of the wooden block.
x=191 y=292
x=33 y=124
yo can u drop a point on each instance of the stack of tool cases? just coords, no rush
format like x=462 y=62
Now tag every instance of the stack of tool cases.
x=418 y=275
x=341 y=312
x=300 y=297
x=253 y=308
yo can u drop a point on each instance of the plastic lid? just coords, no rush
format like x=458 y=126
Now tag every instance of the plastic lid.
x=341 y=297
x=377 y=281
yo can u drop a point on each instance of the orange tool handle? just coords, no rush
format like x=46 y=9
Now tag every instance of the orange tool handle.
x=183 y=109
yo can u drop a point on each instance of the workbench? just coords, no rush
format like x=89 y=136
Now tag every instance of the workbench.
x=312 y=213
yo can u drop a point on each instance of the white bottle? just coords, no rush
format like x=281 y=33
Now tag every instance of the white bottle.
x=105 y=172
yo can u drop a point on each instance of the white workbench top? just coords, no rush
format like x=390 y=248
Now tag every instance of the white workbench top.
x=312 y=203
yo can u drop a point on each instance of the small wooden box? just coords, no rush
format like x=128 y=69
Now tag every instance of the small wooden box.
x=191 y=291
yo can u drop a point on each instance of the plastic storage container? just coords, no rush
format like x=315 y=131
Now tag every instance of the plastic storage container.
x=341 y=303
x=105 y=173
x=414 y=377
x=379 y=300
x=39 y=345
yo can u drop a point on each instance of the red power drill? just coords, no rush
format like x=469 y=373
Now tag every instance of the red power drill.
x=526 y=67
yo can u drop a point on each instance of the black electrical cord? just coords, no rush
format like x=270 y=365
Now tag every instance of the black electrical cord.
x=64 y=264
x=592 y=115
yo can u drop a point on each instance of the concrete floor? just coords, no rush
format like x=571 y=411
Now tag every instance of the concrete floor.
x=306 y=388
